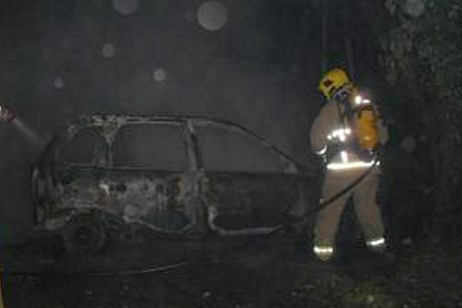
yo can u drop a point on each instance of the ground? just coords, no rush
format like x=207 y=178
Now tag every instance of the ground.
x=250 y=273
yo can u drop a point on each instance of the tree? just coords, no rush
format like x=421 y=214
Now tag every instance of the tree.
x=423 y=63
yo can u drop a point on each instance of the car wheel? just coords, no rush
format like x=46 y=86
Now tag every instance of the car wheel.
x=84 y=234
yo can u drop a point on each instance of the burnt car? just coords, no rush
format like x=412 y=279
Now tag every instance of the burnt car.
x=180 y=176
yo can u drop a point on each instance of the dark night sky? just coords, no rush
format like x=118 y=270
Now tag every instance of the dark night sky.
x=62 y=58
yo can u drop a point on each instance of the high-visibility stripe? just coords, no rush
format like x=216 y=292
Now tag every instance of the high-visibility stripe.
x=323 y=250
x=376 y=242
x=340 y=134
x=344 y=156
x=361 y=101
x=351 y=165
x=322 y=151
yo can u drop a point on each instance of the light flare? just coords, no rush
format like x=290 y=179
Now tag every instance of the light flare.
x=212 y=15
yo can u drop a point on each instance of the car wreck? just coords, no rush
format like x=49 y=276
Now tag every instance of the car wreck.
x=180 y=176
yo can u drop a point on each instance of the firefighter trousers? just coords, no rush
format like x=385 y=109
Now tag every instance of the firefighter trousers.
x=365 y=205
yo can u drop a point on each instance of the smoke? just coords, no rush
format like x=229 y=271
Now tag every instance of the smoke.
x=147 y=57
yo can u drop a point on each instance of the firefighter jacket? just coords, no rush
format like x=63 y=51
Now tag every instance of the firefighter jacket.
x=331 y=135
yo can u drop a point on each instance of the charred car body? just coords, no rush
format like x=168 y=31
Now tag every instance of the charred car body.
x=175 y=175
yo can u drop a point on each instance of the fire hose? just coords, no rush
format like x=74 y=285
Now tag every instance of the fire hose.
x=124 y=272
x=341 y=193
x=36 y=274
x=326 y=203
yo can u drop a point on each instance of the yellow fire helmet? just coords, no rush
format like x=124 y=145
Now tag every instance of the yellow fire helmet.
x=332 y=81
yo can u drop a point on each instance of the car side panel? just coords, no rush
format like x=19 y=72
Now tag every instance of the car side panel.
x=158 y=199
x=244 y=201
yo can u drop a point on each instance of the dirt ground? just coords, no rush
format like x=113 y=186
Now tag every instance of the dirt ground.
x=249 y=273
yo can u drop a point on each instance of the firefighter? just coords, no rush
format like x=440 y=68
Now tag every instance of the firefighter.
x=346 y=134
x=6 y=114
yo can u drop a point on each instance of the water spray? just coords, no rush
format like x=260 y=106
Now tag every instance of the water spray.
x=8 y=116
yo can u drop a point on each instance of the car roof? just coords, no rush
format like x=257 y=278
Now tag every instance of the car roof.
x=72 y=127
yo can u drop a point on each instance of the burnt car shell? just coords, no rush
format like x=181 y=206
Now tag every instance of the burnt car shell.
x=175 y=175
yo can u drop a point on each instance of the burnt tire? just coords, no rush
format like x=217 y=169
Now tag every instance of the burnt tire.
x=84 y=234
